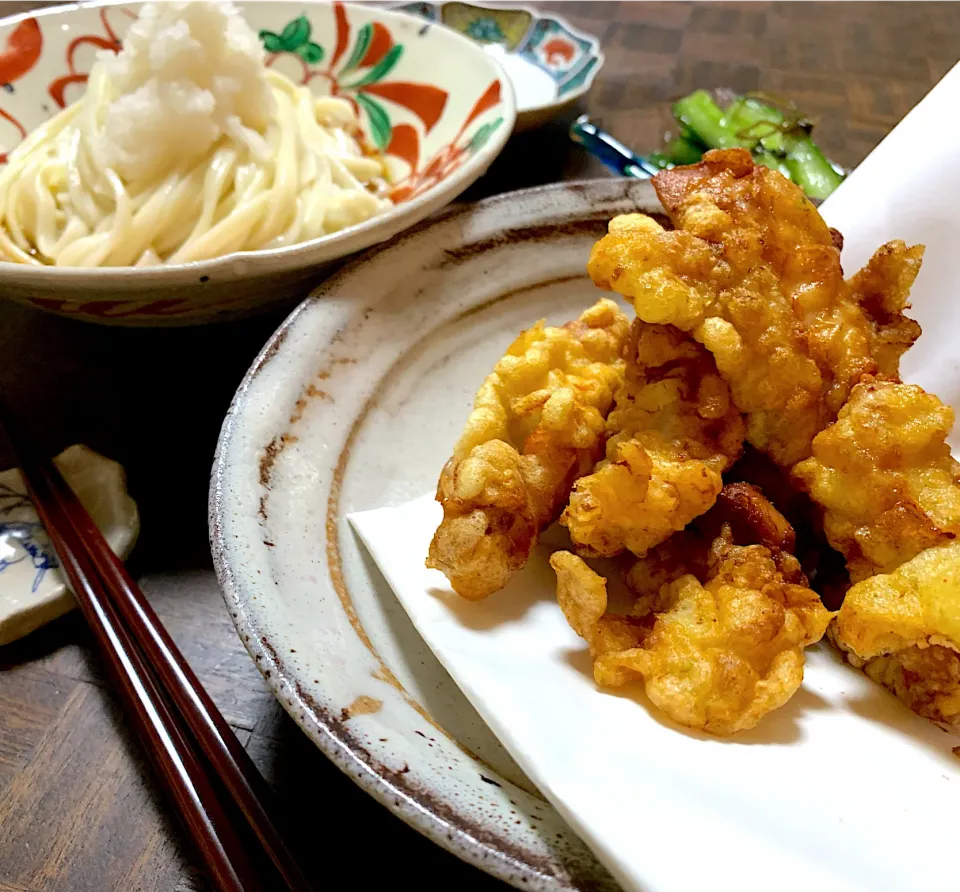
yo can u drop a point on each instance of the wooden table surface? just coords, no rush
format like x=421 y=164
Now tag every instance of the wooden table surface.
x=78 y=807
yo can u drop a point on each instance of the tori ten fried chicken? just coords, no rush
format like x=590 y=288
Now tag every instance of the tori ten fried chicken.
x=537 y=424
x=753 y=273
x=720 y=644
x=903 y=629
x=673 y=431
x=746 y=330
x=884 y=477
x=890 y=493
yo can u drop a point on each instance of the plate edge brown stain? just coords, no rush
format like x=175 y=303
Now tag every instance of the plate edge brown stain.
x=400 y=781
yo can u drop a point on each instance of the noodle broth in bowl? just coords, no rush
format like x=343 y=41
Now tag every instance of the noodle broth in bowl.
x=175 y=163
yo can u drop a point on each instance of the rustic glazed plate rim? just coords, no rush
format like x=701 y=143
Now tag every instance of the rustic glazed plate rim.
x=417 y=808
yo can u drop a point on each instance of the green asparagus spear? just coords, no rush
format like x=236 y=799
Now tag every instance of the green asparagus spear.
x=752 y=120
x=687 y=134
x=809 y=169
x=752 y=124
x=704 y=117
x=682 y=151
x=804 y=162
x=773 y=161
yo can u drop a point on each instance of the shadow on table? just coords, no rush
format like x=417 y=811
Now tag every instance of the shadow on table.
x=153 y=399
x=337 y=831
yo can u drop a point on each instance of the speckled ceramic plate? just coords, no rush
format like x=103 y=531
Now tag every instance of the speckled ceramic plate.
x=550 y=63
x=354 y=404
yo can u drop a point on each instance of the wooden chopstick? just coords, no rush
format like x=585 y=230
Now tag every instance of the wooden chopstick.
x=170 y=753
x=136 y=646
x=229 y=759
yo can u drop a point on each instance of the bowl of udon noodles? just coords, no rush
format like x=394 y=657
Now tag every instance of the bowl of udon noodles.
x=176 y=163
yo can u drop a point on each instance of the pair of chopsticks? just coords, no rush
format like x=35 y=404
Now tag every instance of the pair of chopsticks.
x=213 y=783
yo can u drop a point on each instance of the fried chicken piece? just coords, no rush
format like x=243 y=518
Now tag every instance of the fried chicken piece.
x=774 y=483
x=727 y=652
x=884 y=476
x=719 y=655
x=684 y=553
x=903 y=630
x=753 y=273
x=890 y=493
x=825 y=567
x=742 y=515
x=720 y=643
x=582 y=596
x=537 y=424
x=752 y=519
x=882 y=289
x=673 y=431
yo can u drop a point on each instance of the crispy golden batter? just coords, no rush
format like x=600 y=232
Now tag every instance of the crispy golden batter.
x=727 y=652
x=673 y=431
x=926 y=680
x=825 y=567
x=890 y=493
x=882 y=289
x=903 y=629
x=753 y=272
x=537 y=424
x=719 y=655
x=742 y=515
x=752 y=519
x=718 y=630
x=884 y=476
x=684 y=553
x=582 y=595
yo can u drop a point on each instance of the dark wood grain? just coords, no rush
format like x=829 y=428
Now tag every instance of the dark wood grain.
x=78 y=809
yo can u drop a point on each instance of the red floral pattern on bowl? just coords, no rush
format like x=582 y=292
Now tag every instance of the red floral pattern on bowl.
x=425 y=98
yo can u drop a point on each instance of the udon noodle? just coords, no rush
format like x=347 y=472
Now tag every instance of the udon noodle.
x=176 y=158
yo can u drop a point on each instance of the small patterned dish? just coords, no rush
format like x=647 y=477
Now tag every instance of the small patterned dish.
x=550 y=63
x=433 y=102
x=32 y=591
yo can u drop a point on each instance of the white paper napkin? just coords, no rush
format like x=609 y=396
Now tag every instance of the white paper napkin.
x=843 y=788
x=909 y=188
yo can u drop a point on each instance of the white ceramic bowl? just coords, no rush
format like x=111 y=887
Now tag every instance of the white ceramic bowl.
x=441 y=109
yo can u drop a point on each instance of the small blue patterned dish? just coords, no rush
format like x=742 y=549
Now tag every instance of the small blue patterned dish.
x=32 y=590
x=549 y=62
